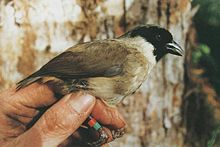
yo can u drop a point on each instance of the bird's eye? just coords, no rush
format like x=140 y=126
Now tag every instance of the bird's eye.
x=158 y=37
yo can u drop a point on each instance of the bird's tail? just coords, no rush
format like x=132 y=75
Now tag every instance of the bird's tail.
x=27 y=81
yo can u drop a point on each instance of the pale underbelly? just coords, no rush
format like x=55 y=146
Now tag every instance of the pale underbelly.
x=113 y=90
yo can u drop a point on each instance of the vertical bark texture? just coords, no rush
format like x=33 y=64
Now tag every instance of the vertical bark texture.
x=33 y=31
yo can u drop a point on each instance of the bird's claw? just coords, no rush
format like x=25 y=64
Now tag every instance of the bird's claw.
x=103 y=138
x=118 y=133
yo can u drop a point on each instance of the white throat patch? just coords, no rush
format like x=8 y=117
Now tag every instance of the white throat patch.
x=144 y=47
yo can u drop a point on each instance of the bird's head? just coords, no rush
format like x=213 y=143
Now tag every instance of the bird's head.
x=160 y=38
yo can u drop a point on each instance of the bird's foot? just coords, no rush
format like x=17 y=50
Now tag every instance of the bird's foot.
x=103 y=138
x=118 y=133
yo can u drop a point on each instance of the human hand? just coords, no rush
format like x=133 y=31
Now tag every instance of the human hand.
x=57 y=125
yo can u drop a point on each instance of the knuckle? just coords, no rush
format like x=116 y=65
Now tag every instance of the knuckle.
x=112 y=117
x=60 y=120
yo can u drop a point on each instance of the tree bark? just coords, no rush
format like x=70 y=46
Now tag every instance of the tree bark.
x=32 y=32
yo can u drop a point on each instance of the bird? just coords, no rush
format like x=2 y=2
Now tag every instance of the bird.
x=109 y=69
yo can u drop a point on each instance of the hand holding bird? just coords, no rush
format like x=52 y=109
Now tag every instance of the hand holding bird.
x=23 y=124
x=108 y=69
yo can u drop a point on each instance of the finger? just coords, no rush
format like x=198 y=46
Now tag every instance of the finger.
x=108 y=116
x=22 y=106
x=33 y=96
x=61 y=120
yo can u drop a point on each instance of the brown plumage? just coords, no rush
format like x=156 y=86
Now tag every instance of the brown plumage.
x=105 y=75
x=108 y=69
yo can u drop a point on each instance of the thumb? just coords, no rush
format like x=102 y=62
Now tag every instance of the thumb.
x=60 y=121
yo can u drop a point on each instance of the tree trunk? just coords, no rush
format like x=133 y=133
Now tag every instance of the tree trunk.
x=32 y=32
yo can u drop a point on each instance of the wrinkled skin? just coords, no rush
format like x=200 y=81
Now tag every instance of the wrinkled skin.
x=58 y=124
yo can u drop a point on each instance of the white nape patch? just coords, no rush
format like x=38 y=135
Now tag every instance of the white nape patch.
x=143 y=46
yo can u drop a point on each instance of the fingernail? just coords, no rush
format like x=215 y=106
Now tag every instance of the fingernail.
x=81 y=102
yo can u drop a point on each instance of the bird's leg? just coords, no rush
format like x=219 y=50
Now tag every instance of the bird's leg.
x=103 y=136
x=118 y=133
x=78 y=84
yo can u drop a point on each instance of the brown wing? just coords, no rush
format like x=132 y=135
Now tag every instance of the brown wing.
x=92 y=59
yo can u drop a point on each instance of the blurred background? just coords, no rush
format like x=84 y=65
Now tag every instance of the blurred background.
x=179 y=105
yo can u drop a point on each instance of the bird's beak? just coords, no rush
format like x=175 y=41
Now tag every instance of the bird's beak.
x=174 y=48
